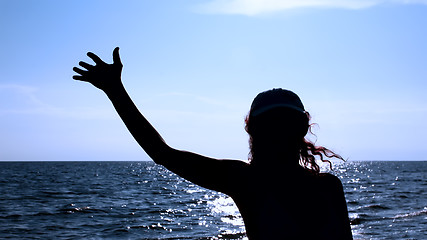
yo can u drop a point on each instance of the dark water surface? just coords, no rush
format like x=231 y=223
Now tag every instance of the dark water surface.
x=140 y=200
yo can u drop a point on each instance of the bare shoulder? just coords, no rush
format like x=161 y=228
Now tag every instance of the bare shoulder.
x=229 y=176
x=235 y=168
x=235 y=163
x=331 y=181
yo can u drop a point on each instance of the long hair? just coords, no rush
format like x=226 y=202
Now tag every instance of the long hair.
x=307 y=149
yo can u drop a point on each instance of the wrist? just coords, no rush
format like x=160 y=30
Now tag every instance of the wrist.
x=114 y=89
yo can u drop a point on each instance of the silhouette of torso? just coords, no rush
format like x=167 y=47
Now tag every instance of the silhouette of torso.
x=283 y=204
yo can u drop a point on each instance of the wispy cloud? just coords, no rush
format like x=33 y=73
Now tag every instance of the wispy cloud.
x=259 y=7
x=18 y=99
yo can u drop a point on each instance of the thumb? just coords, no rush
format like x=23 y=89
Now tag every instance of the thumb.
x=116 y=56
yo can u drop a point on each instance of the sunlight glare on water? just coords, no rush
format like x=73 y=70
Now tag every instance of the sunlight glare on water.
x=224 y=206
x=134 y=200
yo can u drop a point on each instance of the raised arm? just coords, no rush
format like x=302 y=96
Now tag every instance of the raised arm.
x=107 y=77
x=207 y=172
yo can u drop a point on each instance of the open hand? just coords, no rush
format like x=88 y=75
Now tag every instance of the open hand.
x=103 y=76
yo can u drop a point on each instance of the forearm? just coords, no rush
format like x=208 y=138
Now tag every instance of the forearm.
x=145 y=134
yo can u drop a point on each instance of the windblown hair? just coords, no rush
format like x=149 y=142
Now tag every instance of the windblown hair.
x=307 y=149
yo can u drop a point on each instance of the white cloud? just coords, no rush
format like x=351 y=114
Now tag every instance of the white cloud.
x=258 y=7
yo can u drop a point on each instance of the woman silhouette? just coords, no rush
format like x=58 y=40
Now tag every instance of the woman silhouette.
x=280 y=193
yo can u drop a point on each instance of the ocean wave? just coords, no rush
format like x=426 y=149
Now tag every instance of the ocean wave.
x=72 y=209
x=361 y=218
x=12 y=216
x=374 y=206
x=412 y=214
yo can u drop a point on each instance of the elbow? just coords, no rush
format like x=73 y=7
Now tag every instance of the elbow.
x=161 y=155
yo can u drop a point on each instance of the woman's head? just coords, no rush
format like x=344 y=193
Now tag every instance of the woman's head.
x=277 y=112
x=277 y=124
x=276 y=98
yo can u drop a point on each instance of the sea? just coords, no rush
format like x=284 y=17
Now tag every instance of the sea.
x=141 y=200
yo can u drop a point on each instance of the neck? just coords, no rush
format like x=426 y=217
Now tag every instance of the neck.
x=268 y=159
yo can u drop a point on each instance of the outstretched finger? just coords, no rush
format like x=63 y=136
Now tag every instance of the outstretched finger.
x=79 y=71
x=116 y=56
x=86 y=65
x=95 y=58
x=80 y=78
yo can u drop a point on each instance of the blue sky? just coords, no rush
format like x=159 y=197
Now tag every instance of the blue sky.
x=193 y=68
